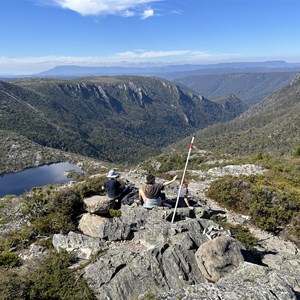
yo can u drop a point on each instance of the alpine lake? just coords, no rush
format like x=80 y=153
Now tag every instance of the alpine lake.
x=23 y=181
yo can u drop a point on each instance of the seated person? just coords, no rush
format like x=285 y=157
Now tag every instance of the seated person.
x=150 y=194
x=115 y=190
x=184 y=198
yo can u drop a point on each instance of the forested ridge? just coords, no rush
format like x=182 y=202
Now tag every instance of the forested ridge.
x=271 y=126
x=118 y=119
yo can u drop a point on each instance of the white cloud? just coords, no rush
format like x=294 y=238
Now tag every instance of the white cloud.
x=128 y=13
x=175 y=54
x=147 y=13
x=107 y=7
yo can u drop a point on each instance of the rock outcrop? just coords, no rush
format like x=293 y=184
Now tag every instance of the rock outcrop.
x=91 y=224
x=98 y=205
x=250 y=281
x=218 y=257
x=143 y=252
x=83 y=246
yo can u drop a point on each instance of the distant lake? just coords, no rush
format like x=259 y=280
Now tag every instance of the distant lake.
x=23 y=181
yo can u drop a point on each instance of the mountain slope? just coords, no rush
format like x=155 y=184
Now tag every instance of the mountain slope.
x=271 y=126
x=251 y=87
x=35 y=117
x=113 y=118
x=232 y=103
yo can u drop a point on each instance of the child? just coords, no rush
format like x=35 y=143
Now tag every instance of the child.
x=184 y=196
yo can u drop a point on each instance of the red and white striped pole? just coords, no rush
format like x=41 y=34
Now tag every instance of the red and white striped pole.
x=181 y=183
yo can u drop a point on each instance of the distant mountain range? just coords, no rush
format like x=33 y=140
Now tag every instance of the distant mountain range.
x=271 y=126
x=119 y=119
x=172 y=71
x=251 y=87
x=169 y=72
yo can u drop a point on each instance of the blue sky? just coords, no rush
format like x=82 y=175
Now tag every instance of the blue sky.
x=37 y=35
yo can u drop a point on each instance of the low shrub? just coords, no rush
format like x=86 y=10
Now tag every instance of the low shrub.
x=54 y=212
x=272 y=199
x=13 y=285
x=17 y=239
x=92 y=186
x=292 y=231
x=239 y=232
x=51 y=280
x=231 y=192
x=9 y=259
x=267 y=210
x=115 y=213
x=297 y=151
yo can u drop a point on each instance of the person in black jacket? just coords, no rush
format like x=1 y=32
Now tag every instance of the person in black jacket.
x=115 y=190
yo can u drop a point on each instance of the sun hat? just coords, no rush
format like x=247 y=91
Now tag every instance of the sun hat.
x=112 y=174
x=150 y=179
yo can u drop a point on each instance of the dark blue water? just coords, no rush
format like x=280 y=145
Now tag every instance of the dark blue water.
x=23 y=181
